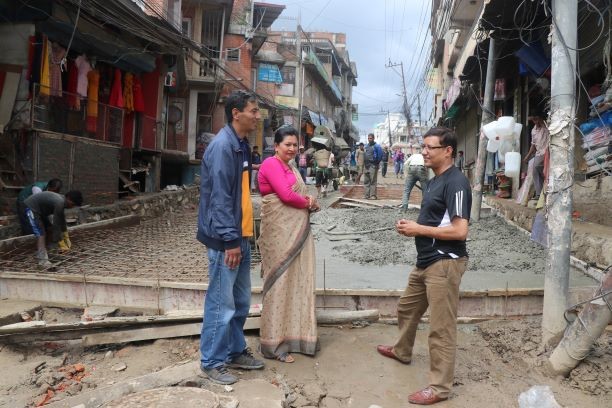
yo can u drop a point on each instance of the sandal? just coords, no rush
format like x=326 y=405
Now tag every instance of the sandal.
x=285 y=358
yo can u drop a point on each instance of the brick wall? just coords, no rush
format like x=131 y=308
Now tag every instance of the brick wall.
x=240 y=69
x=95 y=167
x=54 y=160
x=96 y=172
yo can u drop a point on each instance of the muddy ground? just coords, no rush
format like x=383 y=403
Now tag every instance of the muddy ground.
x=496 y=361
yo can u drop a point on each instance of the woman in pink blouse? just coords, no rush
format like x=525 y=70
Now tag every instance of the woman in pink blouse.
x=288 y=323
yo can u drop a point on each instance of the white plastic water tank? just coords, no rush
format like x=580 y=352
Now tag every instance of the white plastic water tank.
x=490 y=130
x=505 y=126
x=512 y=167
x=492 y=145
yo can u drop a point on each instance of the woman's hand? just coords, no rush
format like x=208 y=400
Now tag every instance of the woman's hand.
x=313 y=204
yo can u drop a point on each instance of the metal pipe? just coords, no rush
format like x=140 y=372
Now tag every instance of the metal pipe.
x=487 y=117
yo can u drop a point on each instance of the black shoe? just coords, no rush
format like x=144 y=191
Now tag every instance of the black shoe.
x=246 y=361
x=219 y=375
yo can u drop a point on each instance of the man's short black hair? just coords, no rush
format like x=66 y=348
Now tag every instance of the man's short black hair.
x=446 y=135
x=238 y=100
x=55 y=185
x=76 y=197
x=361 y=144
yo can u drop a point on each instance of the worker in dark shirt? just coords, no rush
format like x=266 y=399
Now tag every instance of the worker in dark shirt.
x=38 y=209
x=440 y=234
x=54 y=185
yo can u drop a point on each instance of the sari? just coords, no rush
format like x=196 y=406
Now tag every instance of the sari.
x=288 y=322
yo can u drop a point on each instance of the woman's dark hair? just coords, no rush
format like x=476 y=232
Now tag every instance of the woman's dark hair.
x=446 y=135
x=284 y=131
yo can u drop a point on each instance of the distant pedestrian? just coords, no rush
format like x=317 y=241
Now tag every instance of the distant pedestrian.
x=54 y=185
x=39 y=208
x=459 y=160
x=225 y=226
x=415 y=171
x=440 y=233
x=255 y=163
x=302 y=162
x=360 y=159
x=398 y=163
x=540 y=139
x=385 y=161
x=373 y=156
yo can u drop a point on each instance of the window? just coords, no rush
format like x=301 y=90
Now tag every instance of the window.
x=187 y=27
x=232 y=54
x=288 y=74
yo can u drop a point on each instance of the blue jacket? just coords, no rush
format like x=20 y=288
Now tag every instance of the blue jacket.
x=220 y=215
x=377 y=154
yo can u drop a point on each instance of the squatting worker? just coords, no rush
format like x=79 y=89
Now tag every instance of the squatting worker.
x=38 y=211
x=54 y=185
x=440 y=233
x=225 y=225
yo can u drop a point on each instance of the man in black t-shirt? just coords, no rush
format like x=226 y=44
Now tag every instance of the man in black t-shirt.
x=440 y=233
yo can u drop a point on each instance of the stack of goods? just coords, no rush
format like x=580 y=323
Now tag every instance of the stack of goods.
x=597 y=136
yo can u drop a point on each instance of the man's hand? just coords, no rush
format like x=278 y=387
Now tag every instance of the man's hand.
x=407 y=228
x=64 y=244
x=233 y=257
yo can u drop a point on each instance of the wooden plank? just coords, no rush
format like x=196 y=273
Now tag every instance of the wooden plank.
x=325 y=316
x=151 y=333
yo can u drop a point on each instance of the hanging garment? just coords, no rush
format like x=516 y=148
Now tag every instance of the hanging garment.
x=45 y=81
x=72 y=99
x=116 y=95
x=93 y=79
x=55 y=68
x=84 y=67
x=139 y=105
x=128 y=92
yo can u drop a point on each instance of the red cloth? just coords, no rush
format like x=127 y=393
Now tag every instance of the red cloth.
x=74 y=102
x=116 y=95
x=138 y=97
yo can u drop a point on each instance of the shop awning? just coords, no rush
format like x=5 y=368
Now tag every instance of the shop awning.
x=100 y=44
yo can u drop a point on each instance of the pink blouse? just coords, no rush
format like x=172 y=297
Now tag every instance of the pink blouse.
x=276 y=177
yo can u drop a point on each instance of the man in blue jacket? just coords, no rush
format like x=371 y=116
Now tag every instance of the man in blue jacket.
x=225 y=225
x=373 y=156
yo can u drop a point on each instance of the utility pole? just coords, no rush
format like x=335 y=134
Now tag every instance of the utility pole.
x=300 y=76
x=406 y=108
x=559 y=199
x=389 y=129
x=487 y=116
x=420 y=124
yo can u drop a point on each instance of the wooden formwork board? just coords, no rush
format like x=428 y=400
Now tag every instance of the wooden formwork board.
x=167 y=296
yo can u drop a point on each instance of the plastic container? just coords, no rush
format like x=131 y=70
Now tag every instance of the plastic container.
x=518 y=128
x=490 y=130
x=504 y=147
x=492 y=145
x=512 y=166
x=505 y=126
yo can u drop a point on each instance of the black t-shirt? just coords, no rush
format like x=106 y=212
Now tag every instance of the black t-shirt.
x=444 y=197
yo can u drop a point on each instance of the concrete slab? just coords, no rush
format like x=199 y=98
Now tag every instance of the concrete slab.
x=258 y=393
x=168 y=397
x=11 y=310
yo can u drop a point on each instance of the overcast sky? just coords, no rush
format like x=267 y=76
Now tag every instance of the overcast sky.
x=376 y=32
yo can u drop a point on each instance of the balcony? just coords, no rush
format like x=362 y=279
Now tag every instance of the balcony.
x=68 y=114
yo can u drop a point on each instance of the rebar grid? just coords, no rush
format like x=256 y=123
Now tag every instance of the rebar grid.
x=163 y=248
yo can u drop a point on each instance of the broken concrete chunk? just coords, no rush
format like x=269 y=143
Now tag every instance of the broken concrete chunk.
x=119 y=367
x=95 y=313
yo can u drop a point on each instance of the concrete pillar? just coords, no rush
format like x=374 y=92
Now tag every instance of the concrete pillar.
x=559 y=198
x=192 y=123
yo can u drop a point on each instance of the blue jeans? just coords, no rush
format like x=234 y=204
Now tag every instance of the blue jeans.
x=415 y=173
x=303 y=172
x=226 y=307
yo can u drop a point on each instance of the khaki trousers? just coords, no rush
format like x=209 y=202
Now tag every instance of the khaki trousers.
x=436 y=287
